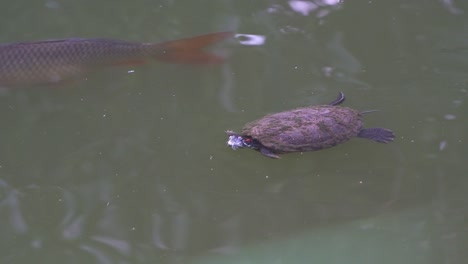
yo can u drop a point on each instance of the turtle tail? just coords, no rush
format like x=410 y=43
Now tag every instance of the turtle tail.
x=368 y=112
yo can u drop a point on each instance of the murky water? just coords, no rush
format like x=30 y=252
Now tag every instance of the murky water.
x=130 y=165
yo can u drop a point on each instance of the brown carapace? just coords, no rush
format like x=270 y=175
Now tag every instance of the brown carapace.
x=53 y=61
x=306 y=129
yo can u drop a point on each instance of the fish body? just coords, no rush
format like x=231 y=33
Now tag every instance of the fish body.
x=53 y=61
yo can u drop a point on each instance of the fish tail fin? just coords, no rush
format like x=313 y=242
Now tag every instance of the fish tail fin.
x=190 y=50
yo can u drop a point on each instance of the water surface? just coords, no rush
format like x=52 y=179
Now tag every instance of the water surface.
x=130 y=165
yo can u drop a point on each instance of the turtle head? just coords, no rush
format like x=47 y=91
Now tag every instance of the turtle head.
x=236 y=141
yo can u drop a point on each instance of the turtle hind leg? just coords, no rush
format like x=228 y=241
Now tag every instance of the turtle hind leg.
x=377 y=134
x=269 y=153
x=340 y=99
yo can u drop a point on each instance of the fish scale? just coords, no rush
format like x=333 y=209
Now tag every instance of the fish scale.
x=53 y=61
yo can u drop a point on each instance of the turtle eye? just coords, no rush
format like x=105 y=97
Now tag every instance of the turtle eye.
x=248 y=142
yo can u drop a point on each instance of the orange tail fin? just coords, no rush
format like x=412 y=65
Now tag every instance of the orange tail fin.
x=190 y=50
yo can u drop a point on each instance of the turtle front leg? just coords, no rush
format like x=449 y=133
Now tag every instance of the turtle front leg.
x=269 y=153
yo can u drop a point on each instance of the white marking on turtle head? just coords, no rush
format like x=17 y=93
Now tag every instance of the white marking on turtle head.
x=235 y=142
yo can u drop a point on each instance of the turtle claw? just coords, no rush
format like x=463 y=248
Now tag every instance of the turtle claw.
x=340 y=99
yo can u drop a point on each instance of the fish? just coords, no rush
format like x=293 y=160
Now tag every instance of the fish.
x=54 y=61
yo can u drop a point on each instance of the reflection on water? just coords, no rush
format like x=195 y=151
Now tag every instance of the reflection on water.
x=105 y=222
x=132 y=167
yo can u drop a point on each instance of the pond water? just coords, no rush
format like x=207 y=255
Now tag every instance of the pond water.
x=130 y=165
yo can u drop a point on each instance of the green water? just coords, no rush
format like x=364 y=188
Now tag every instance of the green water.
x=132 y=167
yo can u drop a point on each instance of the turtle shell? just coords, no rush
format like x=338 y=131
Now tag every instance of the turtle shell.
x=305 y=129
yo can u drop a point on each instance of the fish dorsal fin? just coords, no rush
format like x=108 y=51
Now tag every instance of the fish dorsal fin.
x=57 y=41
x=47 y=41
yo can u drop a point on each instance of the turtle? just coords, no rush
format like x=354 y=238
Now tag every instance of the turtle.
x=306 y=129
